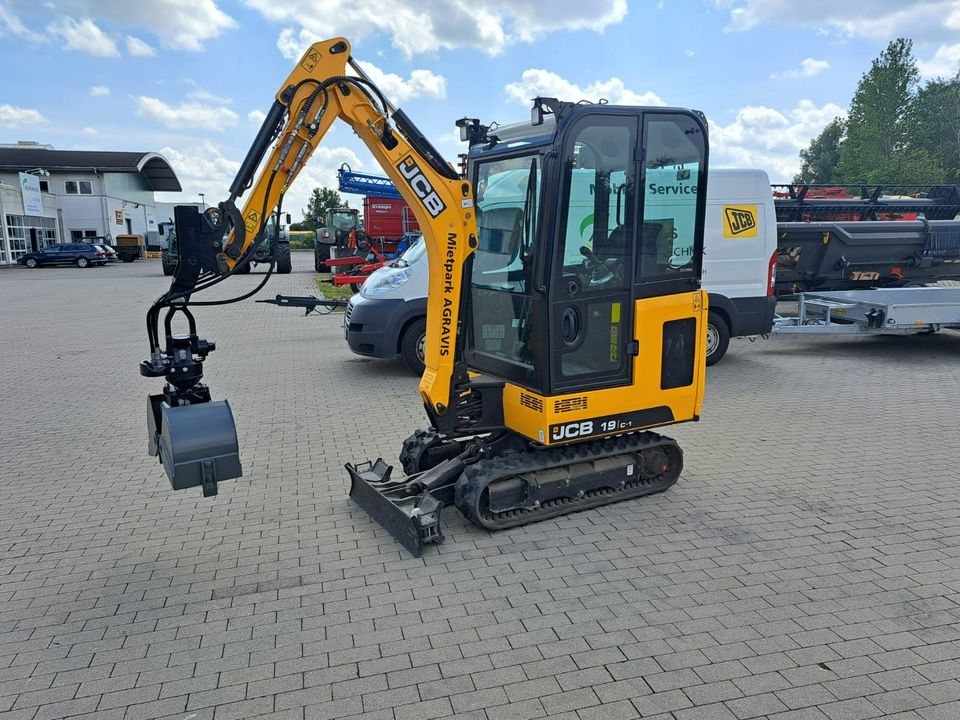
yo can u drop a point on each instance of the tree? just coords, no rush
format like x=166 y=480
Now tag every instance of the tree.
x=314 y=216
x=821 y=158
x=936 y=123
x=878 y=145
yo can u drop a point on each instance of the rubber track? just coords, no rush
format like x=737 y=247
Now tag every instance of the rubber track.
x=476 y=478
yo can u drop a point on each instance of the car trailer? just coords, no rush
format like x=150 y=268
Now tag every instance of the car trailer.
x=908 y=310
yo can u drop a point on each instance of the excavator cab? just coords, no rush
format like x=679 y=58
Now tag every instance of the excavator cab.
x=585 y=223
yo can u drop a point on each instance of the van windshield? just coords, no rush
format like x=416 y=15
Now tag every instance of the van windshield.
x=413 y=253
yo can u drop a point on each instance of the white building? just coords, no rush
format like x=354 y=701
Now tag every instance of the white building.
x=85 y=194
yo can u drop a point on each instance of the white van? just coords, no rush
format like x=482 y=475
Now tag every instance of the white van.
x=739 y=257
x=387 y=317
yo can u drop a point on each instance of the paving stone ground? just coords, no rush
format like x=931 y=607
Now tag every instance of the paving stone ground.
x=805 y=567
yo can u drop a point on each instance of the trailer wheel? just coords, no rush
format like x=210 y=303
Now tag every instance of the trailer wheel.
x=718 y=337
x=412 y=345
x=284 y=265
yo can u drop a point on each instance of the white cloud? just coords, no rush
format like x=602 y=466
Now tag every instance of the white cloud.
x=536 y=82
x=203 y=168
x=186 y=115
x=90 y=131
x=178 y=24
x=292 y=44
x=10 y=24
x=420 y=83
x=84 y=36
x=762 y=137
x=256 y=117
x=808 y=68
x=199 y=94
x=426 y=26
x=11 y=116
x=944 y=63
x=99 y=90
x=138 y=48
x=880 y=20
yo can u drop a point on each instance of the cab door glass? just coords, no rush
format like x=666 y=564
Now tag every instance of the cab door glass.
x=507 y=216
x=672 y=164
x=597 y=241
x=591 y=311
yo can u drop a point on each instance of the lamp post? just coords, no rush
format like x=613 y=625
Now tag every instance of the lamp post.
x=204 y=204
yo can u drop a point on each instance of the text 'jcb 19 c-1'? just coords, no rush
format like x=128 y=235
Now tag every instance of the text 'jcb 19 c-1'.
x=565 y=316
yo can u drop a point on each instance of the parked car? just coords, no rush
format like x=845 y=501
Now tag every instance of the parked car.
x=79 y=254
x=111 y=253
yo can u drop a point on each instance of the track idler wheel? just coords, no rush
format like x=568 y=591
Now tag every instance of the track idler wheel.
x=425 y=449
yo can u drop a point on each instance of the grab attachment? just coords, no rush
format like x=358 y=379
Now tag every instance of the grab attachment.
x=194 y=437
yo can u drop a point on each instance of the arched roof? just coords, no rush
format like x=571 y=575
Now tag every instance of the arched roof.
x=153 y=167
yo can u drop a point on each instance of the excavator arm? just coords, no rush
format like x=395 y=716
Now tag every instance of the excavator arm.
x=212 y=245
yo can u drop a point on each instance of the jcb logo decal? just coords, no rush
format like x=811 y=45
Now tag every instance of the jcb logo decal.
x=739 y=221
x=571 y=430
x=421 y=186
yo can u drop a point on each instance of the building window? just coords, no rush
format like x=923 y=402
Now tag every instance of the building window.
x=80 y=235
x=44 y=186
x=78 y=187
x=29 y=232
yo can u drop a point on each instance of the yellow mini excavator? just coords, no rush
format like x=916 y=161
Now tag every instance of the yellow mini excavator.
x=565 y=316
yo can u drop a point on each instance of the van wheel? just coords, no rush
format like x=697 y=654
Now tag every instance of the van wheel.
x=412 y=345
x=718 y=337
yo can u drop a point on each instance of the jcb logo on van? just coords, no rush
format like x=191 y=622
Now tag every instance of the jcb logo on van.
x=421 y=186
x=739 y=221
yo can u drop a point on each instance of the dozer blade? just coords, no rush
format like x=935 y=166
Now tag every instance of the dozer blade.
x=412 y=519
x=197 y=444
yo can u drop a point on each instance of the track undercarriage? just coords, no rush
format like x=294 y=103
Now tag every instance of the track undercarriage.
x=503 y=481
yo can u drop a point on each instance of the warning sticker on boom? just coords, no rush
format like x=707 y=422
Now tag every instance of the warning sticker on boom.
x=739 y=221
x=310 y=60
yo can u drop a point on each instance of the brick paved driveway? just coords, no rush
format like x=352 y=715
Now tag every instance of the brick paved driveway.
x=807 y=565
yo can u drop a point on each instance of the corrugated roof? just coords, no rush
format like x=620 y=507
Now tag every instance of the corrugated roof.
x=154 y=167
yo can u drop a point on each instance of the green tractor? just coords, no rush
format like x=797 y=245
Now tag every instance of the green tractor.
x=261 y=252
x=338 y=224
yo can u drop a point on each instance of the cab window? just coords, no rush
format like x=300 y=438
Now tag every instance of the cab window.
x=597 y=232
x=507 y=216
x=672 y=167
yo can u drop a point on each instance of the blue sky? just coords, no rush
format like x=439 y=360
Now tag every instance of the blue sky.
x=191 y=78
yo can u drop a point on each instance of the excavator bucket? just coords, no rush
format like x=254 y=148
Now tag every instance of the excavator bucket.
x=197 y=444
x=412 y=519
